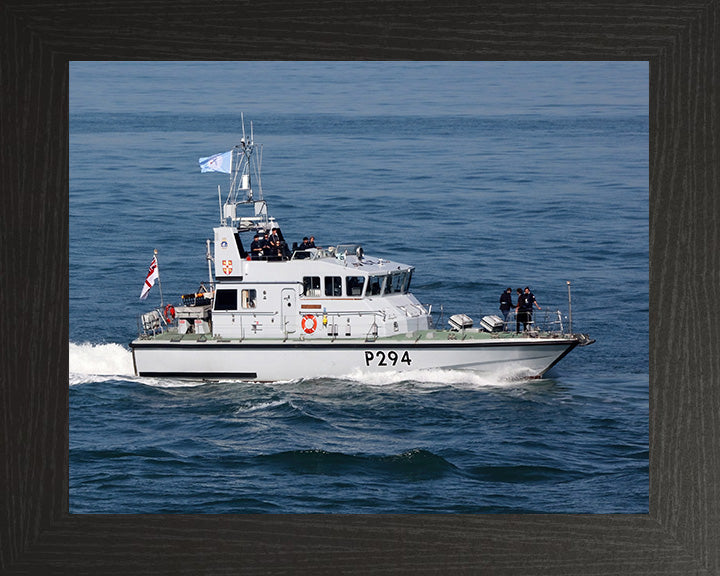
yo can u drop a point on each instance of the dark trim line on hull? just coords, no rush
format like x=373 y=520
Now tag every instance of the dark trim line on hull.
x=349 y=346
x=558 y=359
x=238 y=375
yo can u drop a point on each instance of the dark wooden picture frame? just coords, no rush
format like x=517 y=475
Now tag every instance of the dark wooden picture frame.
x=681 y=533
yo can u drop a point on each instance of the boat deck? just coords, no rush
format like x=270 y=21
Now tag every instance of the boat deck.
x=415 y=337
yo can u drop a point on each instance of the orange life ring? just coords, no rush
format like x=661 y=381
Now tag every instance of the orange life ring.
x=312 y=321
x=169 y=312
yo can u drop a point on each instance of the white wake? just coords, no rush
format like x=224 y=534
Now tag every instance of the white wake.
x=93 y=362
x=100 y=362
x=434 y=378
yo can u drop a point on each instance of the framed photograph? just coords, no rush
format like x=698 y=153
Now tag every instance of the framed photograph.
x=112 y=531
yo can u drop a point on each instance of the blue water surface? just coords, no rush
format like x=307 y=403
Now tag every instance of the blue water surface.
x=483 y=175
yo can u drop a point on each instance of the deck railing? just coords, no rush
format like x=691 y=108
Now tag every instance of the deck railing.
x=546 y=320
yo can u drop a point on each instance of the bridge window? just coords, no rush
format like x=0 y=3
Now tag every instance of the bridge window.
x=333 y=286
x=375 y=285
x=311 y=285
x=226 y=300
x=388 y=285
x=398 y=282
x=354 y=285
x=249 y=298
x=408 y=279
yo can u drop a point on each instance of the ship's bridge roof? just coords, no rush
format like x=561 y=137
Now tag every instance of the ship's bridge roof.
x=354 y=259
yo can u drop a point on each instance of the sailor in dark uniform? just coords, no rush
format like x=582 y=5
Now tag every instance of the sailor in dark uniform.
x=525 y=308
x=256 y=248
x=267 y=248
x=505 y=305
x=274 y=242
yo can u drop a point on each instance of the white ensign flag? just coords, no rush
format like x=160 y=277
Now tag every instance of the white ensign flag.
x=153 y=274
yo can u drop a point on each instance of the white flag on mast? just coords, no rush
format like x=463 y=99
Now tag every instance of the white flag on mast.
x=217 y=163
x=153 y=274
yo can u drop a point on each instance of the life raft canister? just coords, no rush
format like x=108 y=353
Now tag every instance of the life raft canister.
x=169 y=312
x=309 y=323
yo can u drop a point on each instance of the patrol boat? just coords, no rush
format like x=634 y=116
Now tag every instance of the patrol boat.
x=275 y=312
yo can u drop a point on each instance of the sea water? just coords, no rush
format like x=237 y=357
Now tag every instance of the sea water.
x=482 y=175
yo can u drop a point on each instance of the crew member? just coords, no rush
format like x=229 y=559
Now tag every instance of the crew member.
x=505 y=305
x=256 y=248
x=274 y=242
x=267 y=248
x=524 y=308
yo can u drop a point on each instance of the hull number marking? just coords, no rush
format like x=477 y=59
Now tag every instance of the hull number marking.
x=380 y=358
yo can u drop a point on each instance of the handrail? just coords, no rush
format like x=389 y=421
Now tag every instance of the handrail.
x=340 y=314
x=550 y=321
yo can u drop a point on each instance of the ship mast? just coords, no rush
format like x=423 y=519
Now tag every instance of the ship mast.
x=245 y=173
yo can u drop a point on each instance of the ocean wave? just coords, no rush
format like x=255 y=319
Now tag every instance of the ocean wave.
x=524 y=474
x=432 y=379
x=412 y=464
x=191 y=382
x=169 y=382
x=268 y=405
x=96 y=362
x=147 y=452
